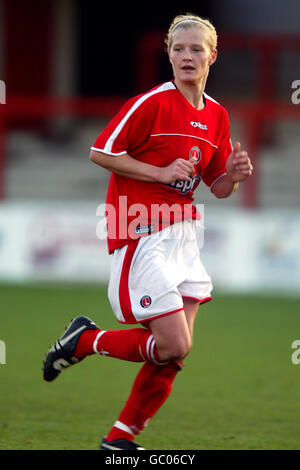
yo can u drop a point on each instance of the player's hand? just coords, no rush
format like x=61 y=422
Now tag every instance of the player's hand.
x=180 y=169
x=238 y=165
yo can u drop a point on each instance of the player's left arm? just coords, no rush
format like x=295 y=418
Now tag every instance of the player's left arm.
x=238 y=169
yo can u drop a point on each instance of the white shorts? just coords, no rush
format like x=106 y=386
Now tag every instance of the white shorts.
x=151 y=276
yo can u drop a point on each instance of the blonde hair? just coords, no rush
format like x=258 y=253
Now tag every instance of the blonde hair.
x=187 y=21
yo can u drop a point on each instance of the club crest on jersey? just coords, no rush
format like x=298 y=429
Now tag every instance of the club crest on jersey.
x=146 y=301
x=195 y=153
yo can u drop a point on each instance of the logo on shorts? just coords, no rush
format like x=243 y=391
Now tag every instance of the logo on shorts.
x=195 y=153
x=146 y=301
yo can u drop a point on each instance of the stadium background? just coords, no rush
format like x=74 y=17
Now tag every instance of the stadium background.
x=67 y=66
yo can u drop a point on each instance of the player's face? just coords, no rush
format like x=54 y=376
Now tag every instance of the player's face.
x=191 y=55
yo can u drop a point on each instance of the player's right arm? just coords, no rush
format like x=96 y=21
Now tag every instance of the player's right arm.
x=129 y=167
x=128 y=131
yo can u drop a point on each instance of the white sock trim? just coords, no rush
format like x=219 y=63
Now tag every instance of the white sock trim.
x=123 y=427
x=153 y=357
x=150 y=352
x=148 y=347
x=141 y=354
x=95 y=344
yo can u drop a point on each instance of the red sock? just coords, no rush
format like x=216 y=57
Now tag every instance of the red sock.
x=150 y=390
x=85 y=344
x=135 y=345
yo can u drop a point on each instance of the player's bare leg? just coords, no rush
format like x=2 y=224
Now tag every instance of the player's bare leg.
x=172 y=335
x=190 y=309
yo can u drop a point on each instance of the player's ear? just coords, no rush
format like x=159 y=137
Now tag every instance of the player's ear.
x=213 y=57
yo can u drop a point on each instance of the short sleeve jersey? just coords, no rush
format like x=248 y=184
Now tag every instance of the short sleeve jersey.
x=158 y=127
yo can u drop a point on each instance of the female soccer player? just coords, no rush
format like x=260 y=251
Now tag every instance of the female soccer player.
x=158 y=148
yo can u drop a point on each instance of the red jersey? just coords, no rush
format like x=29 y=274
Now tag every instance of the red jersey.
x=158 y=127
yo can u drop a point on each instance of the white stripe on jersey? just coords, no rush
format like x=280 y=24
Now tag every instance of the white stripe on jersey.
x=210 y=98
x=187 y=135
x=108 y=153
x=166 y=86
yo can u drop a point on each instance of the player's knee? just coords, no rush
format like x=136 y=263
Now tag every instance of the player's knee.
x=178 y=350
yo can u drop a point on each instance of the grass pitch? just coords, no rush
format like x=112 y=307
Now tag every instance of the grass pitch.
x=238 y=390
